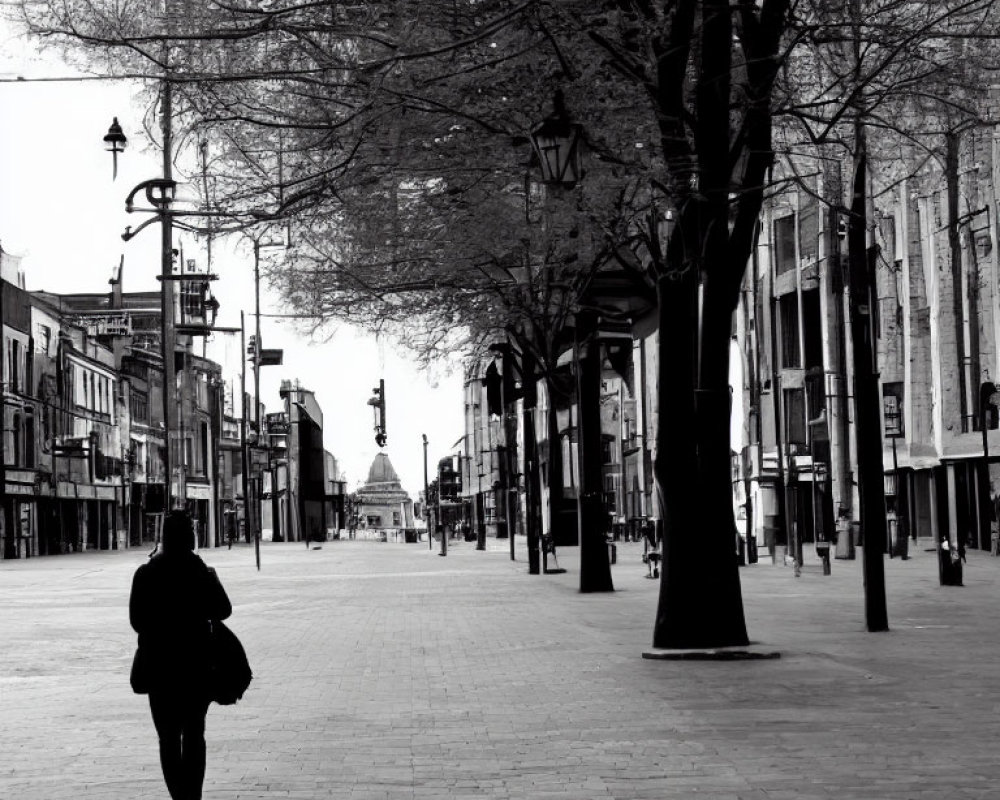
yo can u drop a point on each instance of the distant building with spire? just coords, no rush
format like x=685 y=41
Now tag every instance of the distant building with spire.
x=382 y=502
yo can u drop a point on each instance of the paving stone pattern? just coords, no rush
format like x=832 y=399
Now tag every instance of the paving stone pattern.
x=386 y=672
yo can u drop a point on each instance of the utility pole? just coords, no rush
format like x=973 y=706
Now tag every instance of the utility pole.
x=444 y=533
x=243 y=439
x=167 y=332
x=258 y=482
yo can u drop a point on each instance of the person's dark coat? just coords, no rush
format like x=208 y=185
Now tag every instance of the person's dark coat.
x=174 y=597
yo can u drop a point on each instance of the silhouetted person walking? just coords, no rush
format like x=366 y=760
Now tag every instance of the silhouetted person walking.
x=174 y=598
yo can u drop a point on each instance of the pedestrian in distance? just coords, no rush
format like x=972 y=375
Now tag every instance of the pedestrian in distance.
x=175 y=597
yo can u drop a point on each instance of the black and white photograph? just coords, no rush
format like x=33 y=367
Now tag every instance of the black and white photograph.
x=499 y=399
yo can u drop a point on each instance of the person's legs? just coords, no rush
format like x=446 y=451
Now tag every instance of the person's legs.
x=167 y=719
x=193 y=734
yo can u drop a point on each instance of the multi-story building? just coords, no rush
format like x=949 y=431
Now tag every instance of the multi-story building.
x=83 y=426
x=19 y=476
x=62 y=446
x=936 y=329
x=303 y=503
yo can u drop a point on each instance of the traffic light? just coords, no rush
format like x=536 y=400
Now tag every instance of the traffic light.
x=377 y=402
x=252 y=347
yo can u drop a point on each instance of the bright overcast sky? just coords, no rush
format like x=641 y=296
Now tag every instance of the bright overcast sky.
x=61 y=211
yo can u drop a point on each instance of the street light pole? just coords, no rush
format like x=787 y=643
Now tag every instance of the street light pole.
x=160 y=194
x=256 y=356
x=444 y=533
x=243 y=442
x=427 y=513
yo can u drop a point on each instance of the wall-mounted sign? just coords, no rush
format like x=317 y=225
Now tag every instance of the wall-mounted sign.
x=117 y=324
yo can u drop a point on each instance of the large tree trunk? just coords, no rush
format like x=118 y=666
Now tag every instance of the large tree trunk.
x=867 y=405
x=554 y=469
x=700 y=604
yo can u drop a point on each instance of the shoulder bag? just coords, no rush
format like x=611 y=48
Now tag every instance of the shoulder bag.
x=229 y=672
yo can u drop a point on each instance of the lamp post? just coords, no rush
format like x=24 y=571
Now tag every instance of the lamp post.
x=427 y=514
x=557 y=145
x=444 y=533
x=160 y=193
x=259 y=360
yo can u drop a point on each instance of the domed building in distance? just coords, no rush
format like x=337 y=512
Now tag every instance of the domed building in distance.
x=382 y=503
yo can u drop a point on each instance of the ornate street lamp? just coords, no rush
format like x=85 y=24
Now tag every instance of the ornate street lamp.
x=557 y=144
x=115 y=142
x=198 y=307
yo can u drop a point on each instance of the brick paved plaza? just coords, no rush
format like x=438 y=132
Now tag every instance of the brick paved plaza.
x=385 y=672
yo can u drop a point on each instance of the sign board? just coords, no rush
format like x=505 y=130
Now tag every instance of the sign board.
x=117 y=324
x=277 y=424
x=271 y=358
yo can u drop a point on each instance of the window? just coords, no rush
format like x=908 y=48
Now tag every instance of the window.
x=812 y=328
x=784 y=244
x=139 y=406
x=788 y=329
x=79 y=386
x=374 y=521
x=15 y=366
x=16 y=430
x=395 y=519
x=795 y=417
x=29 y=441
x=202 y=466
x=611 y=502
x=809 y=228
x=43 y=337
x=893 y=393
